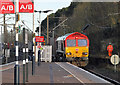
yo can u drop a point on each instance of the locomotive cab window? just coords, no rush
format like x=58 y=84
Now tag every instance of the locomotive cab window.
x=82 y=42
x=71 y=43
x=56 y=44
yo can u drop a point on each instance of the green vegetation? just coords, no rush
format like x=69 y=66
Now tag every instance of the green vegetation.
x=103 y=19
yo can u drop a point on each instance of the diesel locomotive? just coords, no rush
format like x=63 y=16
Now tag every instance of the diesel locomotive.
x=72 y=47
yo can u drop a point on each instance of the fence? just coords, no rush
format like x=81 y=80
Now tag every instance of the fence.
x=46 y=53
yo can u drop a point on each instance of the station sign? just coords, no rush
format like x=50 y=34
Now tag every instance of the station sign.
x=26 y=6
x=39 y=38
x=7 y=7
x=114 y=59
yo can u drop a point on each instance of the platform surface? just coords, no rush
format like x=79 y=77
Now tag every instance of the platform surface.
x=55 y=72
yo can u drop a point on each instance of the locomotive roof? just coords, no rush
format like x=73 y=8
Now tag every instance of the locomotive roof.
x=64 y=36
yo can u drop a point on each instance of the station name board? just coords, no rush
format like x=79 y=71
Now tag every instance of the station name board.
x=8 y=6
x=39 y=38
x=26 y=6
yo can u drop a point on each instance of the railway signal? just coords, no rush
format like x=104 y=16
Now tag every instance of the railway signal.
x=19 y=29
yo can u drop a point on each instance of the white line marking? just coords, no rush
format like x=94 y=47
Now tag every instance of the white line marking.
x=88 y=73
x=7 y=64
x=10 y=67
x=24 y=62
x=6 y=69
x=71 y=74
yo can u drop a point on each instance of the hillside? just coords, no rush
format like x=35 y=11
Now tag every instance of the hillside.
x=103 y=19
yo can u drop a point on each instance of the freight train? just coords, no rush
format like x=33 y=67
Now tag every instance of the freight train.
x=73 y=47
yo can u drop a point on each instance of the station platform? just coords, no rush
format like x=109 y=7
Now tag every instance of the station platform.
x=55 y=72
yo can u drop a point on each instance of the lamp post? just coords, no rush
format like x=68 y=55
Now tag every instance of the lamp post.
x=54 y=32
x=47 y=30
x=46 y=11
x=1 y=44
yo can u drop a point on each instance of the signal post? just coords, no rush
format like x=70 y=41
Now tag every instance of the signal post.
x=16 y=68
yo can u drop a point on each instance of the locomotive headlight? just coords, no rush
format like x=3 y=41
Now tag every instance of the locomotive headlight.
x=69 y=53
x=84 y=53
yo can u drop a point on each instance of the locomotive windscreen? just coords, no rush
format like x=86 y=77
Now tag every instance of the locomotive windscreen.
x=71 y=43
x=82 y=42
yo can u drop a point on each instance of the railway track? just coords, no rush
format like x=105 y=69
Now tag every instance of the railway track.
x=82 y=74
x=104 y=77
x=100 y=75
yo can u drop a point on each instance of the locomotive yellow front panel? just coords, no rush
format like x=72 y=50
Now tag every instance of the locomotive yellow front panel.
x=77 y=51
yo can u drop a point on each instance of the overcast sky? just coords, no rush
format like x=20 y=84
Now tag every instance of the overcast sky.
x=38 y=5
x=42 y=5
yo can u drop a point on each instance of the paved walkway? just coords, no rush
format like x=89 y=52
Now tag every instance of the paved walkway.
x=50 y=73
x=45 y=73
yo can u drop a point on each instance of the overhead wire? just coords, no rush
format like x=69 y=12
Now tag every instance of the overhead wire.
x=7 y=19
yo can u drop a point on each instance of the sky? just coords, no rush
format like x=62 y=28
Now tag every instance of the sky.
x=42 y=5
x=38 y=5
